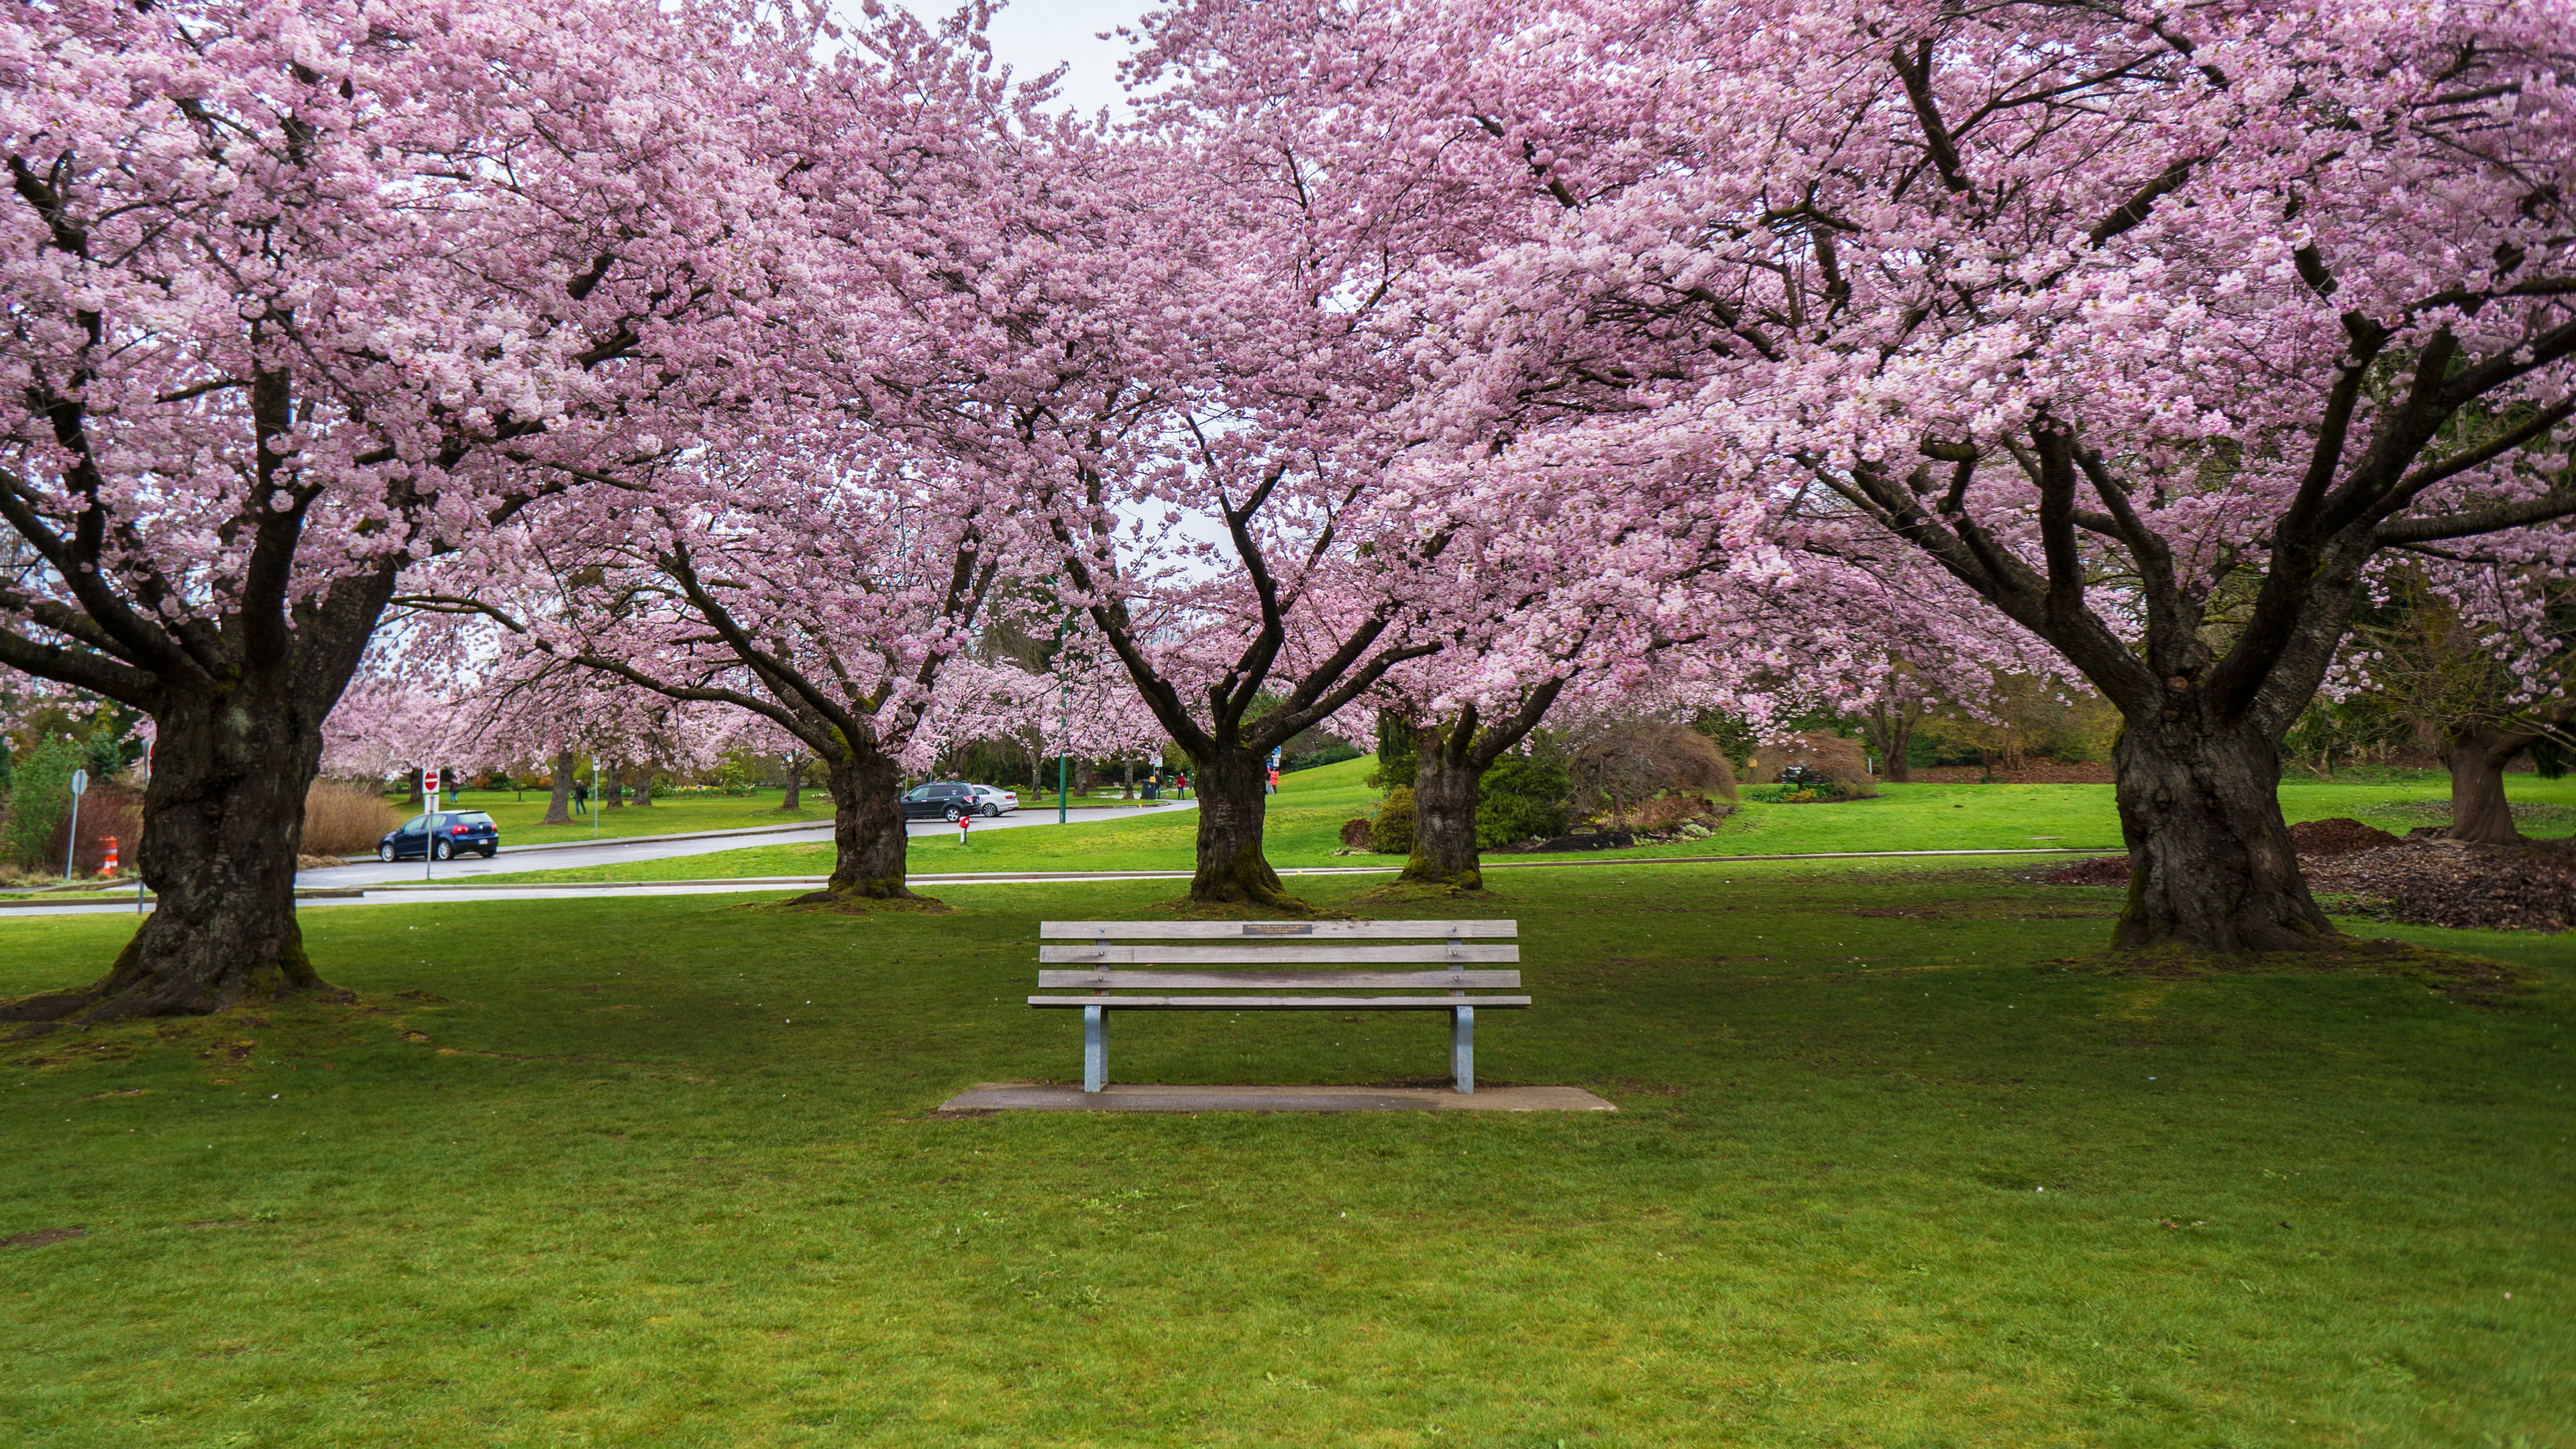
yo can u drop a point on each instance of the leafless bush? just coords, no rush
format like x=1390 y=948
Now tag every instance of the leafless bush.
x=345 y=819
x=1633 y=768
x=1842 y=762
x=1666 y=813
x=107 y=812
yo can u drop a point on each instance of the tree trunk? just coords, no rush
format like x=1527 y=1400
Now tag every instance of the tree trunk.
x=223 y=816
x=1892 y=730
x=412 y=799
x=1445 y=792
x=2476 y=755
x=1231 y=868
x=644 y=787
x=559 y=804
x=867 y=830
x=612 y=793
x=2211 y=865
x=795 y=785
x=1127 y=779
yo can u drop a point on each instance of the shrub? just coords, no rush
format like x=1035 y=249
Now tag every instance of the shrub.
x=40 y=797
x=345 y=819
x=1523 y=798
x=1358 y=833
x=1843 y=763
x=1392 y=832
x=1618 y=771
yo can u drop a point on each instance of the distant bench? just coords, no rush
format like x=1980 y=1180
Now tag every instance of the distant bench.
x=1291 y=956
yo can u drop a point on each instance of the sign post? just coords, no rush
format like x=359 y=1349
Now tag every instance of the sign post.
x=71 y=840
x=138 y=840
x=429 y=821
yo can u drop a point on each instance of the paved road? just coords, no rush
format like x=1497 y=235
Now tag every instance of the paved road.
x=412 y=892
x=615 y=852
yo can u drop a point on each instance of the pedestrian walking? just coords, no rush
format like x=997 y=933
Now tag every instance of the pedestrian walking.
x=581 y=797
x=1273 y=787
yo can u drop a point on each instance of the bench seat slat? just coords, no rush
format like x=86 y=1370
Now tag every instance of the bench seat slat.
x=1280 y=1003
x=1291 y=980
x=1270 y=930
x=1268 y=953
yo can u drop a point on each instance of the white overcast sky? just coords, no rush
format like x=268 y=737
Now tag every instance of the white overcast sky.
x=1030 y=36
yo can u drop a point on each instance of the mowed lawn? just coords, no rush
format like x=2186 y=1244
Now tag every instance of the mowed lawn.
x=665 y=1172
x=518 y=813
x=1306 y=816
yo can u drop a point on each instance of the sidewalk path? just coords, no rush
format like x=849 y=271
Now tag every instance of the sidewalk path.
x=575 y=854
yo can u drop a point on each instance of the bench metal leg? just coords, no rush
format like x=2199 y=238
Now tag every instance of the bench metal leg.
x=1095 y=1048
x=1462 y=1047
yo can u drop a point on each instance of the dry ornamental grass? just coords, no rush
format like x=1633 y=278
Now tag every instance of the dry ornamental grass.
x=345 y=819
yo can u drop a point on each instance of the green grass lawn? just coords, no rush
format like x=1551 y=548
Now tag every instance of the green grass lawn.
x=517 y=813
x=664 y=1172
x=1305 y=820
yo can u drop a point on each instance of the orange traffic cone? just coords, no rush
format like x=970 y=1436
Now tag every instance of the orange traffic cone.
x=109 y=866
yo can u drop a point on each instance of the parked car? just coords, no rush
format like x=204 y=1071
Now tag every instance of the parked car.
x=941 y=800
x=997 y=801
x=447 y=833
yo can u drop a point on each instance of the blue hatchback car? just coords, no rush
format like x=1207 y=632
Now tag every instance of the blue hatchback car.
x=447 y=833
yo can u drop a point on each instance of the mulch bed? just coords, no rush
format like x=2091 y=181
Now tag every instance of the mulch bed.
x=2422 y=881
x=2343 y=835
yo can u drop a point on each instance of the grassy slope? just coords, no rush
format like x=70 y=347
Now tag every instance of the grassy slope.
x=659 y=1172
x=669 y=815
x=1306 y=817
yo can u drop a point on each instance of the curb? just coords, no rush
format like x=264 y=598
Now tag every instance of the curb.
x=1043 y=876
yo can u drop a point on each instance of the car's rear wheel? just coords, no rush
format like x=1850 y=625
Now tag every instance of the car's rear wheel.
x=992 y=811
x=441 y=850
x=385 y=853
x=951 y=814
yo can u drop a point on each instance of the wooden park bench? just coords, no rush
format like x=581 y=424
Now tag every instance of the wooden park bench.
x=1263 y=958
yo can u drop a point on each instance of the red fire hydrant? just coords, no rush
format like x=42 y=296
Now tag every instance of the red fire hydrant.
x=108 y=867
x=961 y=828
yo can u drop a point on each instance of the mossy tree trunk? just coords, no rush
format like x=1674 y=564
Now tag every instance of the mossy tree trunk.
x=2211 y=863
x=1232 y=809
x=1446 y=789
x=1449 y=784
x=223 y=820
x=559 y=803
x=1890 y=727
x=868 y=835
x=2476 y=755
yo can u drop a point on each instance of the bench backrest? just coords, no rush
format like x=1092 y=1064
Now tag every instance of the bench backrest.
x=1289 y=954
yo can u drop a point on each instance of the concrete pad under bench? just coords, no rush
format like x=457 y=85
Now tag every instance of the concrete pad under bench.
x=1139 y=1097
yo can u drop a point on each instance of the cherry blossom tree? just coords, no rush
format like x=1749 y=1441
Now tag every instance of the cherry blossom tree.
x=2151 y=325
x=2481 y=661
x=298 y=295
x=830 y=591
x=1211 y=430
